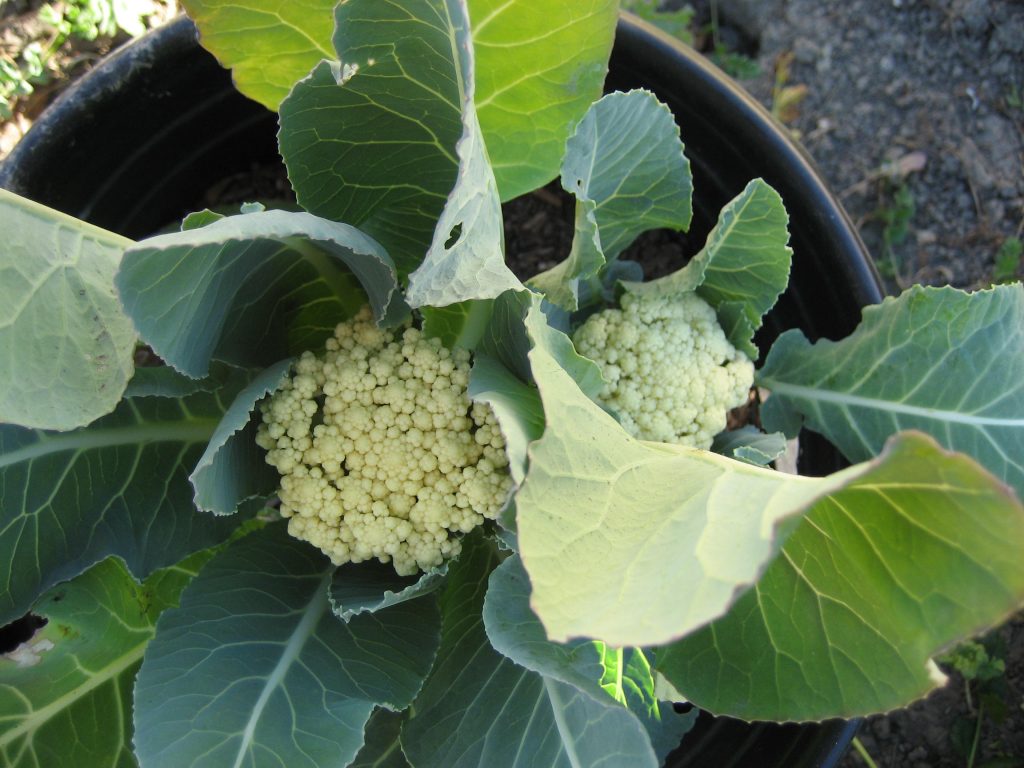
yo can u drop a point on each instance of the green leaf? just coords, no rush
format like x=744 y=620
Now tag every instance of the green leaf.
x=253 y=289
x=626 y=167
x=433 y=201
x=743 y=267
x=382 y=748
x=372 y=586
x=751 y=445
x=616 y=552
x=458 y=325
x=374 y=146
x=253 y=668
x=117 y=487
x=539 y=67
x=607 y=674
x=516 y=405
x=232 y=469
x=948 y=363
x=199 y=219
x=65 y=344
x=268 y=45
x=507 y=715
x=919 y=552
x=164 y=381
x=77 y=671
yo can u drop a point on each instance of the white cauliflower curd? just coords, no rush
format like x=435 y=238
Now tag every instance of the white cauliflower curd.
x=381 y=452
x=670 y=372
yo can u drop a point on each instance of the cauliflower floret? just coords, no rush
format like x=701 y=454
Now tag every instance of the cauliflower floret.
x=381 y=452
x=671 y=374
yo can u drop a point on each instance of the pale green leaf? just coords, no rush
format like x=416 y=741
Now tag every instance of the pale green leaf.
x=269 y=45
x=921 y=551
x=65 y=695
x=232 y=469
x=508 y=715
x=614 y=551
x=254 y=669
x=948 y=363
x=539 y=66
x=466 y=259
x=372 y=586
x=117 y=487
x=254 y=288
x=743 y=267
x=65 y=344
x=626 y=167
x=621 y=675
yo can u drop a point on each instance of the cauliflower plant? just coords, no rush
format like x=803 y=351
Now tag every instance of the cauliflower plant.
x=380 y=450
x=670 y=372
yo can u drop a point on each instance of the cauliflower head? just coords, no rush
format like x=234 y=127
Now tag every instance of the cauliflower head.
x=381 y=452
x=670 y=372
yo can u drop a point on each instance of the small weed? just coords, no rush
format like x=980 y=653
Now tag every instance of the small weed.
x=1009 y=260
x=786 y=98
x=987 y=694
x=72 y=19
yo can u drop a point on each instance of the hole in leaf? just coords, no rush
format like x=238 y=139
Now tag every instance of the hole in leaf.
x=20 y=631
x=453 y=236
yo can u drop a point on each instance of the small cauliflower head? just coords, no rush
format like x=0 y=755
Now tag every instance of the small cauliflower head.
x=381 y=452
x=670 y=373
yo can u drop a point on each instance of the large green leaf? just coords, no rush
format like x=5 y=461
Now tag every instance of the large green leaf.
x=626 y=167
x=939 y=360
x=921 y=552
x=377 y=150
x=65 y=695
x=622 y=675
x=539 y=67
x=616 y=552
x=743 y=267
x=253 y=289
x=268 y=44
x=253 y=668
x=65 y=344
x=117 y=487
x=479 y=708
x=232 y=469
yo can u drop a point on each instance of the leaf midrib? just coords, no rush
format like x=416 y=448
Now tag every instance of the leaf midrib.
x=104 y=675
x=887 y=406
x=195 y=431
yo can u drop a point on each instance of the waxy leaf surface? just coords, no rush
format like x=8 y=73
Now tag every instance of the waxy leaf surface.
x=939 y=360
x=65 y=343
x=626 y=167
x=253 y=668
x=77 y=671
x=623 y=674
x=232 y=469
x=117 y=487
x=530 y=91
x=254 y=288
x=372 y=585
x=479 y=708
x=743 y=267
x=921 y=552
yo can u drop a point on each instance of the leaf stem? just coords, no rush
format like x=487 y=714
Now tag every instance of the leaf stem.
x=859 y=746
x=977 y=736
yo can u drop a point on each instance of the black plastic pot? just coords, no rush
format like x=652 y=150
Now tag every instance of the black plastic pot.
x=137 y=143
